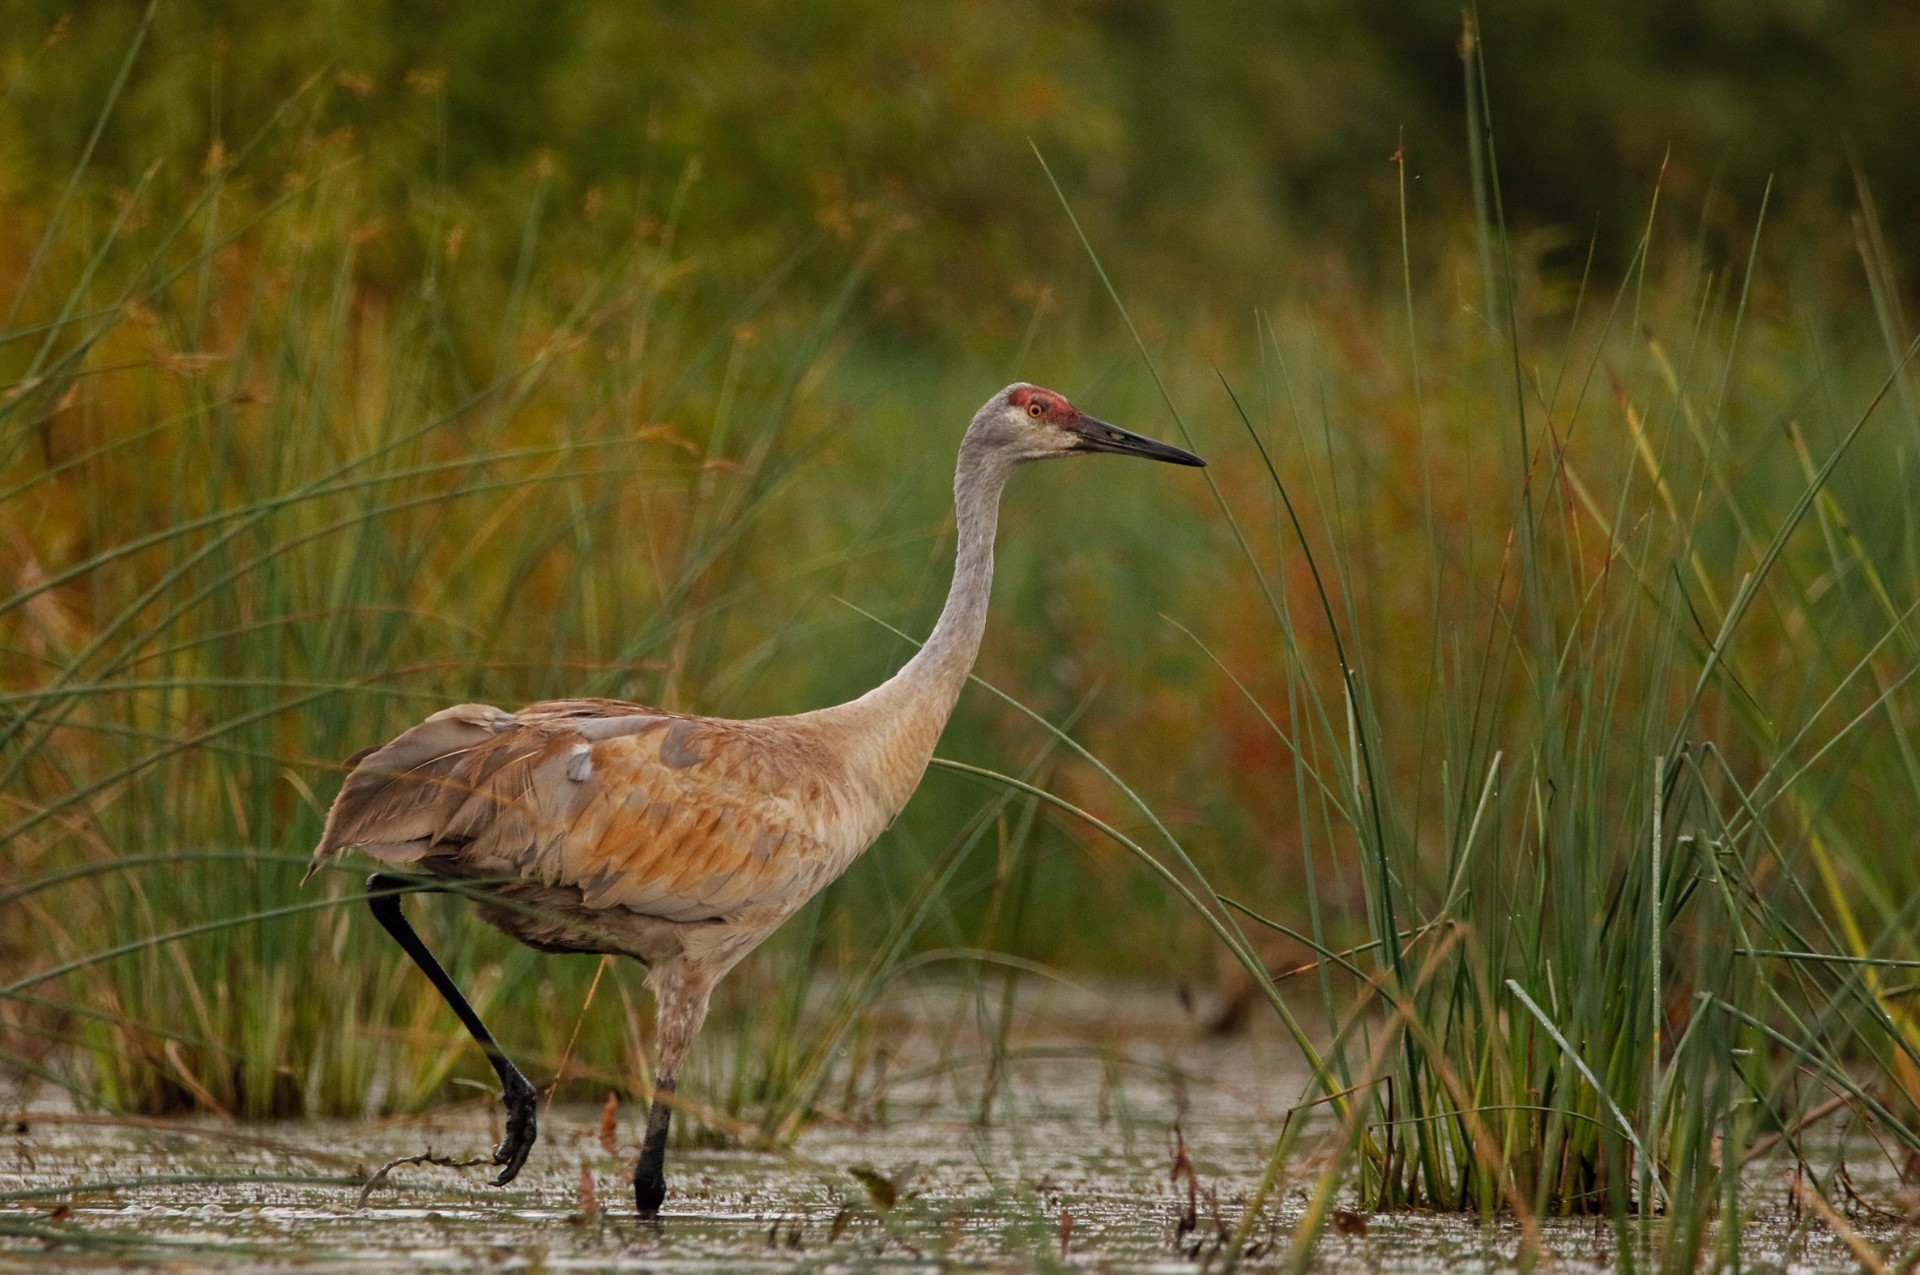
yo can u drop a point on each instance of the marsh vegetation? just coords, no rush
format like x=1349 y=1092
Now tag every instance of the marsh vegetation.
x=1519 y=722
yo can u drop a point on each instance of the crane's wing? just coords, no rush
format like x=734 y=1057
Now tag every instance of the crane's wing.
x=677 y=817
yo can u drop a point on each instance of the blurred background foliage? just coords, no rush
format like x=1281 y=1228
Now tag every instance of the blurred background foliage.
x=1210 y=146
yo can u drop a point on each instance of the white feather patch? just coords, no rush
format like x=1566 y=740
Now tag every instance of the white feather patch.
x=580 y=763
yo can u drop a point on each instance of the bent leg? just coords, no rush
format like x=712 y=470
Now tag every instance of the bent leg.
x=385 y=890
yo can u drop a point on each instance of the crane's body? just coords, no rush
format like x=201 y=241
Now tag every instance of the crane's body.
x=617 y=828
x=593 y=825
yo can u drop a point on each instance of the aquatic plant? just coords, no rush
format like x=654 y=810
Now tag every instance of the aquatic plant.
x=1617 y=846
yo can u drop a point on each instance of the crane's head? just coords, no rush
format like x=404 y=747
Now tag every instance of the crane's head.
x=1027 y=422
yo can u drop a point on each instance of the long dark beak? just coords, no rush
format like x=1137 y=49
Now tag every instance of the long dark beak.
x=1093 y=435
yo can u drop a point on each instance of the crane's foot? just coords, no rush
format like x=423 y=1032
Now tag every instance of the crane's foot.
x=522 y=1129
x=650 y=1174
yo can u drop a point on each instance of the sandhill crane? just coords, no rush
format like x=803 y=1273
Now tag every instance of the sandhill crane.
x=591 y=825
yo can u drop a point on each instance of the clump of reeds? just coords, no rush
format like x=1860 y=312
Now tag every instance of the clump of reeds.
x=265 y=509
x=1604 y=750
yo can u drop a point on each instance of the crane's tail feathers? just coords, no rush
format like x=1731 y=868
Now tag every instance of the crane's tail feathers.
x=396 y=855
x=320 y=853
x=395 y=801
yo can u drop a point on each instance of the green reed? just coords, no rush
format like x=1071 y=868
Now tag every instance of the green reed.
x=334 y=511
x=1607 y=784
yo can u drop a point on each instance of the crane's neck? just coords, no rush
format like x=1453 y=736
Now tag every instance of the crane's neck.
x=936 y=675
x=889 y=733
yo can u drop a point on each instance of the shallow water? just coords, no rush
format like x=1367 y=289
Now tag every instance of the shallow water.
x=1081 y=1129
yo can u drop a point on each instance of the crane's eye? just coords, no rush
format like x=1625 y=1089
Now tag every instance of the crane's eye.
x=1034 y=409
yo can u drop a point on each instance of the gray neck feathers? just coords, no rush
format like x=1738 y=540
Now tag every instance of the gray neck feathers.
x=948 y=655
x=890 y=732
x=922 y=694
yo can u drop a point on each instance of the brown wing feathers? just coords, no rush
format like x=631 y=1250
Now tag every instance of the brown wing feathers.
x=703 y=819
x=468 y=775
x=405 y=796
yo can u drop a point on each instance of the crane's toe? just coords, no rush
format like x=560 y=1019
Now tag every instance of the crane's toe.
x=522 y=1129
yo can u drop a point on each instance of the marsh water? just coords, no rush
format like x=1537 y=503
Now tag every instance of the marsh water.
x=1073 y=1165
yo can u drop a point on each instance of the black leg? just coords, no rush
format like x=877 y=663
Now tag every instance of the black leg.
x=650 y=1175
x=386 y=890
